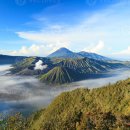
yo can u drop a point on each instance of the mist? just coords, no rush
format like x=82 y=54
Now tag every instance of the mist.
x=26 y=94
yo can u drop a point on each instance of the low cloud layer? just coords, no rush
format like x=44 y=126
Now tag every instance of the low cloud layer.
x=26 y=94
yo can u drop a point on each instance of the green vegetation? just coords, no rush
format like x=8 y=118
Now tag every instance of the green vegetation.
x=59 y=75
x=26 y=66
x=106 y=108
x=13 y=122
x=88 y=66
x=20 y=66
x=70 y=70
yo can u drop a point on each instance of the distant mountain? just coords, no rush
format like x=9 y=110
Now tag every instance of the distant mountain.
x=60 y=71
x=64 y=53
x=94 y=56
x=5 y=59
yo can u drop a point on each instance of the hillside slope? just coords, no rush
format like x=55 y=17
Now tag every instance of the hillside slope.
x=27 y=66
x=70 y=70
x=87 y=65
x=59 y=75
x=105 y=108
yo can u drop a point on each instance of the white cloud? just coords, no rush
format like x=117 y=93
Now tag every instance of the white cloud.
x=79 y=33
x=90 y=30
x=95 y=48
x=101 y=24
x=122 y=54
x=52 y=40
x=39 y=65
x=36 y=49
x=33 y=50
x=125 y=52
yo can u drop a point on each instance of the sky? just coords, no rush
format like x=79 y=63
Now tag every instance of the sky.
x=39 y=27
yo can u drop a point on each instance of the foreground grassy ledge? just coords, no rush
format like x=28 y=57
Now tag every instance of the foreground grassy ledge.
x=101 y=109
x=106 y=108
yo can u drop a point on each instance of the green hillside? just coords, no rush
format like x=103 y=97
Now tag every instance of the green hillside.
x=59 y=75
x=26 y=66
x=20 y=66
x=105 y=108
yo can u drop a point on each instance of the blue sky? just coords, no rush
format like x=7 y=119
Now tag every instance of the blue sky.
x=39 y=27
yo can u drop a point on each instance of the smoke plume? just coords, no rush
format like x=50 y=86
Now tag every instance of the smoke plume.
x=39 y=65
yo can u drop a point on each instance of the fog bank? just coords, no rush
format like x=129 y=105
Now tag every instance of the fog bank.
x=26 y=94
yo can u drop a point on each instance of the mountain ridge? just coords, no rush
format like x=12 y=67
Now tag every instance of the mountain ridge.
x=70 y=67
x=60 y=71
x=7 y=59
x=66 y=53
x=94 y=56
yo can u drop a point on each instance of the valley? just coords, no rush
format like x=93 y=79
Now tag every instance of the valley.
x=44 y=104
x=64 y=65
x=26 y=94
